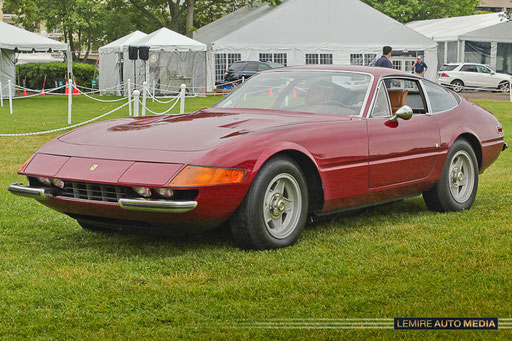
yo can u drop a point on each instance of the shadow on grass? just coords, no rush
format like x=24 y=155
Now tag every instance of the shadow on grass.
x=133 y=242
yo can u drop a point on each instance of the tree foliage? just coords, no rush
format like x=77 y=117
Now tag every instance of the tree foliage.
x=410 y=10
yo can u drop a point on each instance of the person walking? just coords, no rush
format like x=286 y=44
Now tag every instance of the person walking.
x=384 y=60
x=419 y=67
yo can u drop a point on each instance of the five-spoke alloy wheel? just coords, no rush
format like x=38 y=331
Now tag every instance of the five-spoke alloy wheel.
x=456 y=190
x=274 y=211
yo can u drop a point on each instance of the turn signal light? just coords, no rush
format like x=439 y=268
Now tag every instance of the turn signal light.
x=192 y=176
x=25 y=164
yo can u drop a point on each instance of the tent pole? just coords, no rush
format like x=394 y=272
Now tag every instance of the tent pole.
x=1 y=96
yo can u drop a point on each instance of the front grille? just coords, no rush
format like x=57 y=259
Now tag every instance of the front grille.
x=93 y=192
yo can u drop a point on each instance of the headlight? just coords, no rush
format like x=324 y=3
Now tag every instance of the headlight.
x=45 y=181
x=192 y=176
x=142 y=191
x=58 y=183
x=165 y=192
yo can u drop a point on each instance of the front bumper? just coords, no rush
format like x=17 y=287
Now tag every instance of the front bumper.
x=143 y=205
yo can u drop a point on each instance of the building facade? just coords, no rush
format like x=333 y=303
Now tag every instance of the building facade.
x=495 y=5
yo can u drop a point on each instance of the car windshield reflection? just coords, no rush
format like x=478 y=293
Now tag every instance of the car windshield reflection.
x=319 y=92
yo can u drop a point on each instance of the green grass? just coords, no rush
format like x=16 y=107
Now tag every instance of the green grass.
x=59 y=282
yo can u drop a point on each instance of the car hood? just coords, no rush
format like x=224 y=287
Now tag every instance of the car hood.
x=199 y=131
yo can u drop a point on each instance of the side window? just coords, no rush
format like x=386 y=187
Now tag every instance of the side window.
x=381 y=105
x=440 y=99
x=468 y=68
x=482 y=69
x=252 y=67
x=403 y=91
x=264 y=67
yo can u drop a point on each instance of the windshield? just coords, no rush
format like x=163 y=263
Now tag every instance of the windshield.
x=319 y=92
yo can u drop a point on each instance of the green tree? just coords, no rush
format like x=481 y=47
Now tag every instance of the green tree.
x=410 y=10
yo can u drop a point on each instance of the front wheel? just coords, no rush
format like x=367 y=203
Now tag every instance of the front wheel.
x=456 y=190
x=274 y=211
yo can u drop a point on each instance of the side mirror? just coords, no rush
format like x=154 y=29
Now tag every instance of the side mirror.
x=493 y=73
x=405 y=113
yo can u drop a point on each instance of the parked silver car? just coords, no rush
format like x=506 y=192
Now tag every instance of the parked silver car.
x=461 y=76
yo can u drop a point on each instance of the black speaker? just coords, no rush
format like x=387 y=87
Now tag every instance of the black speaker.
x=133 y=52
x=144 y=52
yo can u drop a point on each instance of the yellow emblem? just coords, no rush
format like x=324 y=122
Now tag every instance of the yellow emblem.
x=93 y=167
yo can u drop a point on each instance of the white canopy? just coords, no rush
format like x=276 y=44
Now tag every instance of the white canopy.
x=15 y=38
x=460 y=28
x=121 y=43
x=300 y=27
x=165 y=39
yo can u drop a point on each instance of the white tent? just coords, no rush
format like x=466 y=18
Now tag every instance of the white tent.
x=14 y=39
x=112 y=61
x=484 y=38
x=299 y=32
x=173 y=60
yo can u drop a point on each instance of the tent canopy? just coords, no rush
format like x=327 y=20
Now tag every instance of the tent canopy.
x=15 y=38
x=306 y=24
x=461 y=28
x=165 y=39
x=121 y=43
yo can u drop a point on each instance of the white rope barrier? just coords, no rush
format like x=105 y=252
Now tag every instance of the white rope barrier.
x=68 y=127
x=104 y=100
x=176 y=99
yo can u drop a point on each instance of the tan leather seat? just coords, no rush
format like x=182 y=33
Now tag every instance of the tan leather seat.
x=318 y=95
x=397 y=98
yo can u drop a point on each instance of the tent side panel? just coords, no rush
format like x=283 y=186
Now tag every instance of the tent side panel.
x=7 y=71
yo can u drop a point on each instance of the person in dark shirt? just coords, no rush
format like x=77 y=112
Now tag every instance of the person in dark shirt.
x=384 y=60
x=420 y=67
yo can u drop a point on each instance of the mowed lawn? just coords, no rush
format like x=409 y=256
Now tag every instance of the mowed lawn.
x=401 y=260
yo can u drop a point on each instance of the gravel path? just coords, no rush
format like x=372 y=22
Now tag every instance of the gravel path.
x=495 y=96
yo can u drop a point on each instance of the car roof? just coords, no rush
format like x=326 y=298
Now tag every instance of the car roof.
x=376 y=71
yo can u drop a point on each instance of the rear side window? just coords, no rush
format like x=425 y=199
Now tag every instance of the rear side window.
x=236 y=66
x=440 y=99
x=468 y=68
x=264 y=67
x=448 y=67
x=252 y=67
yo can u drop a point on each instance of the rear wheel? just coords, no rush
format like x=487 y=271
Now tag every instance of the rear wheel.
x=457 y=85
x=504 y=86
x=274 y=211
x=456 y=190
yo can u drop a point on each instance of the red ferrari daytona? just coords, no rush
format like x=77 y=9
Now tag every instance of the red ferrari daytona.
x=286 y=144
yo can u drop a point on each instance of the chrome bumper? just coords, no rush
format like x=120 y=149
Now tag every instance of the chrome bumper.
x=29 y=192
x=126 y=204
x=157 y=206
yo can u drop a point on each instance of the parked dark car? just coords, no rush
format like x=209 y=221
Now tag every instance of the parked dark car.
x=239 y=70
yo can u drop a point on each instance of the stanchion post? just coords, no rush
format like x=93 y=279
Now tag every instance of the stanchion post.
x=136 y=95
x=510 y=89
x=154 y=91
x=70 y=100
x=10 y=95
x=129 y=89
x=1 y=95
x=182 y=97
x=243 y=79
x=145 y=90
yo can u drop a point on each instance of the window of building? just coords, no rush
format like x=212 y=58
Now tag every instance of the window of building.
x=220 y=66
x=370 y=58
x=281 y=58
x=397 y=64
x=233 y=58
x=356 y=59
x=326 y=58
x=311 y=58
x=266 y=57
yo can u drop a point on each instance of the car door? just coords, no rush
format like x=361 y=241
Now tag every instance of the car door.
x=469 y=75
x=486 y=76
x=405 y=151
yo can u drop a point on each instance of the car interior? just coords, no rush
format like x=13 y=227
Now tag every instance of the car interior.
x=406 y=92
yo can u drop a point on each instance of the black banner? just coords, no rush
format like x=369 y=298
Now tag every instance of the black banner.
x=446 y=323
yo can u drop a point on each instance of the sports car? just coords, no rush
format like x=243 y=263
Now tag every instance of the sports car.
x=287 y=144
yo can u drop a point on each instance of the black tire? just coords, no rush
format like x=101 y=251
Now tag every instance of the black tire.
x=248 y=225
x=457 y=85
x=441 y=198
x=504 y=86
